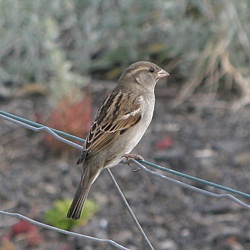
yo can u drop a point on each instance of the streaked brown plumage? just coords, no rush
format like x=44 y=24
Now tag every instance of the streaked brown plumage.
x=120 y=123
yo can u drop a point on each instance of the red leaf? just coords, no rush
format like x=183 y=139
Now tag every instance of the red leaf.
x=33 y=238
x=164 y=143
x=22 y=227
x=30 y=232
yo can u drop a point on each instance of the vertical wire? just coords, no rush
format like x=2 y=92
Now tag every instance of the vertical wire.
x=130 y=210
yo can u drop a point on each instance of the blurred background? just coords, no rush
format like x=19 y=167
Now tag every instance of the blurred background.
x=60 y=58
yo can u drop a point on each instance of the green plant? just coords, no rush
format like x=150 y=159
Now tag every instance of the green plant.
x=57 y=215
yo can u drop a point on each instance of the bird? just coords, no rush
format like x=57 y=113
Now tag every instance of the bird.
x=120 y=123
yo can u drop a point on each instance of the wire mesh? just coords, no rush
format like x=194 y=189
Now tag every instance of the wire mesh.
x=58 y=135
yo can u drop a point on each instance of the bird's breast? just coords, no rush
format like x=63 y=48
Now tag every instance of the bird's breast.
x=128 y=140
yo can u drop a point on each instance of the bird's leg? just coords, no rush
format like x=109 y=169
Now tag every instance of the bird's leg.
x=128 y=157
x=82 y=157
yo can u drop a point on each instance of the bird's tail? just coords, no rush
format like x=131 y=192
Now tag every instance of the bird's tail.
x=88 y=177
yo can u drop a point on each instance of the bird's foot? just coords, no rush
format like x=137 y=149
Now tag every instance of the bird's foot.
x=128 y=157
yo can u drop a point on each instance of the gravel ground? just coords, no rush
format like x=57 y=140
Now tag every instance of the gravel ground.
x=203 y=139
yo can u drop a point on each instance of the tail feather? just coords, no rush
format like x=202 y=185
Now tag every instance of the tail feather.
x=88 y=177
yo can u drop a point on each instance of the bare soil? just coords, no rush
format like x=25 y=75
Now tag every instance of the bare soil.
x=205 y=139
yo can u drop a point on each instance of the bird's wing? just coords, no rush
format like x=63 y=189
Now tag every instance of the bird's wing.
x=118 y=112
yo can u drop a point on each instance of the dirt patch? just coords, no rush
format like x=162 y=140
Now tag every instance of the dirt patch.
x=207 y=141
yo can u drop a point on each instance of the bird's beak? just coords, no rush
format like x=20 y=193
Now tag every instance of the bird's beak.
x=162 y=73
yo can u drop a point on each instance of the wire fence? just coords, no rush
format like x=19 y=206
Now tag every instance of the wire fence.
x=61 y=136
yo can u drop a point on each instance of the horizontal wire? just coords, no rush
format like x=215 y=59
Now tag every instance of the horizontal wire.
x=212 y=184
x=198 y=190
x=38 y=125
x=39 y=128
x=20 y=216
x=209 y=183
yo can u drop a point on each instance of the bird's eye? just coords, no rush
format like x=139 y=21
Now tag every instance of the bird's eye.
x=151 y=70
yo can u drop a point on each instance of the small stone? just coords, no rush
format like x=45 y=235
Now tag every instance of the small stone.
x=168 y=244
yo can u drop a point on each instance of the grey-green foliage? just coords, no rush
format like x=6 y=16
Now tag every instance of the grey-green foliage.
x=114 y=31
x=31 y=31
x=45 y=41
x=23 y=40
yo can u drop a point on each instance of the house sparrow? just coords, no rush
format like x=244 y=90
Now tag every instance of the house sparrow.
x=121 y=121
